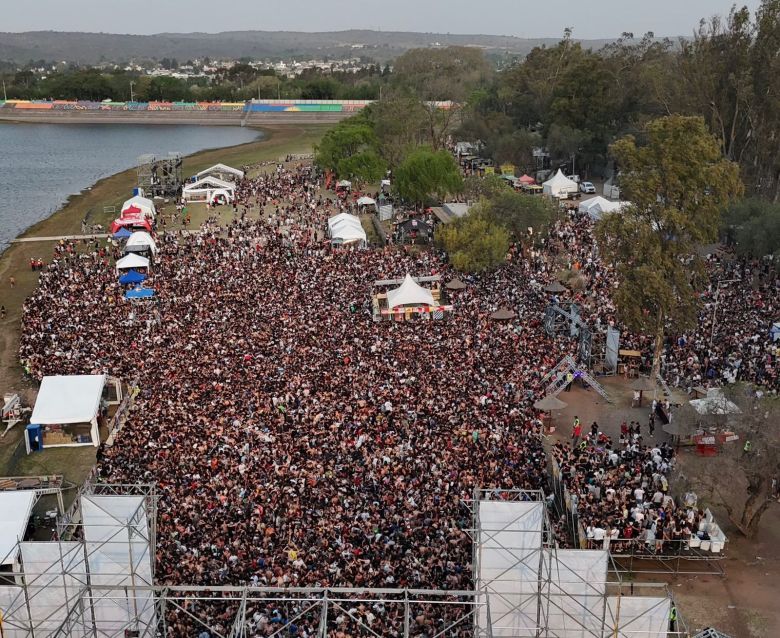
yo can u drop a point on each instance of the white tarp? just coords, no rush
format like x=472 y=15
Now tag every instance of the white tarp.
x=366 y=201
x=208 y=189
x=55 y=574
x=68 y=399
x=559 y=185
x=116 y=532
x=13 y=606
x=220 y=171
x=146 y=205
x=15 y=509
x=577 y=590
x=132 y=261
x=509 y=549
x=598 y=206
x=637 y=617
x=715 y=403
x=140 y=241
x=410 y=293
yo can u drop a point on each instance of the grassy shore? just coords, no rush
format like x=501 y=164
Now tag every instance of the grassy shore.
x=112 y=191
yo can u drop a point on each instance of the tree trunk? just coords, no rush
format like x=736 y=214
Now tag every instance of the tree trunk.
x=755 y=505
x=659 y=346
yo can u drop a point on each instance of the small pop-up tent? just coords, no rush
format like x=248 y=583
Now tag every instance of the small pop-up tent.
x=409 y=293
x=141 y=242
x=598 y=206
x=559 y=186
x=67 y=407
x=122 y=233
x=132 y=260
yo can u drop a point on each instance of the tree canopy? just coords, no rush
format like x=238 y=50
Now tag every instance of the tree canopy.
x=350 y=149
x=427 y=174
x=677 y=184
x=474 y=242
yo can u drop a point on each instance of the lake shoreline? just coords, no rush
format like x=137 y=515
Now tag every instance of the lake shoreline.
x=109 y=191
x=202 y=118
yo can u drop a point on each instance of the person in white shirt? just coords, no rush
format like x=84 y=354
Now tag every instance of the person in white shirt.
x=639 y=494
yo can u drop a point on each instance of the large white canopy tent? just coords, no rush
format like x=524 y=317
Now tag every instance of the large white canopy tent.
x=345 y=228
x=15 y=510
x=68 y=400
x=131 y=260
x=222 y=172
x=410 y=293
x=559 y=186
x=208 y=189
x=146 y=205
x=139 y=242
x=598 y=206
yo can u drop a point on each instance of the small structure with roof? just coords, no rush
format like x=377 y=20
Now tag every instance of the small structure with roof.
x=139 y=203
x=448 y=212
x=209 y=189
x=141 y=243
x=346 y=229
x=560 y=186
x=132 y=261
x=66 y=412
x=409 y=299
x=598 y=206
x=413 y=231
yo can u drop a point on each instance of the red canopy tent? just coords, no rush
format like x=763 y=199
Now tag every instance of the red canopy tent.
x=526 y=179
x=132 y=218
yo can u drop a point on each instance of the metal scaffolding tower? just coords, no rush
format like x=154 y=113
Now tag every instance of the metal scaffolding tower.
x=160 y=176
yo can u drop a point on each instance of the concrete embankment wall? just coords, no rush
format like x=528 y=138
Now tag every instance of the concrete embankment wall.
x=211 y=118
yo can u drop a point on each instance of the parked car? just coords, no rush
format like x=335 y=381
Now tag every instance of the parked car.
x=587 y=187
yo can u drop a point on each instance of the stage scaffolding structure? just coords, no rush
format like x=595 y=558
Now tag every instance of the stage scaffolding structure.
x=160 y=176
x=97 y=582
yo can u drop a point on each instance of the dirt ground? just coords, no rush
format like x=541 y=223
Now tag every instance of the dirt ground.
x=743 y=602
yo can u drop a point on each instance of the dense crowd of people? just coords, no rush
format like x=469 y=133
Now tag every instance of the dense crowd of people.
x=296 y=443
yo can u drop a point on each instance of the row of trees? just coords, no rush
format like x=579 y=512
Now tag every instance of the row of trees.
x=240 y=82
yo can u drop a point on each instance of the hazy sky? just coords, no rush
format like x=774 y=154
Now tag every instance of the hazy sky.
x=524 y=18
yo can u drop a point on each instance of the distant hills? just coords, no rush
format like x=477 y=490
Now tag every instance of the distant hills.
x=382 y=46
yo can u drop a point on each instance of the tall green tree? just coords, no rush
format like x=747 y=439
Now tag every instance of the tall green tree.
x=677 y=184
x=518 y=212
x=474 y=243
x=349 y=149
x=427 y=174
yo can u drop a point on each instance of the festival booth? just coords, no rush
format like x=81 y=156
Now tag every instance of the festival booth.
x=366 y=201
x=132 y=261
x=132 y=219
x=597 y=207
x=66 y=412
x=141 y=243
x=409 y=300
x=142 y=204
x=131 y=277
x=209 y=189
x=221 y=172
x=560 y=186
x=346 y=229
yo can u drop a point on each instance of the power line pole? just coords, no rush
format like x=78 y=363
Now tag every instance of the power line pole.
x=131 y=91
x=5 y=95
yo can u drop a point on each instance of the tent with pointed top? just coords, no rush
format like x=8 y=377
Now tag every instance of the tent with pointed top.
x=409 y=293
x=559 y=186
x=139 y=204
x=122 y=233
x=596 y=207
x=132 y=260
x=222 y=172
x=526 y=179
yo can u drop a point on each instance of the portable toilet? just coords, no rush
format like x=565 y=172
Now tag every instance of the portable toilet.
x=34 y=438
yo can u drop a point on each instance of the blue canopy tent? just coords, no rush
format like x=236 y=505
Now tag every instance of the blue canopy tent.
x=122 y=233
x=139 y=293
x=132 y=277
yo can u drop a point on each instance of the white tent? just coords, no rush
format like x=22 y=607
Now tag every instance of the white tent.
x=146 y=205
x=559 y=186
x=221 y=171
x=69 y=400
x=366 y=201
x=140 y=242
x=16 y=507
x=598 y=206
x=410 y=293
x=345 y=228
x=132 y=260
x=208 y=189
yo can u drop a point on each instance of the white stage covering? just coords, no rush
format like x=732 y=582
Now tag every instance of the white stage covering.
x=577 y=590
x=16 y=619
x=55 y=574
x=637 y=617
x=509 y=560
x=15 y=510
x=116 y=531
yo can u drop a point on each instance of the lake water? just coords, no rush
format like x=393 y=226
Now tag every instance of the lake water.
x=41 y=165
